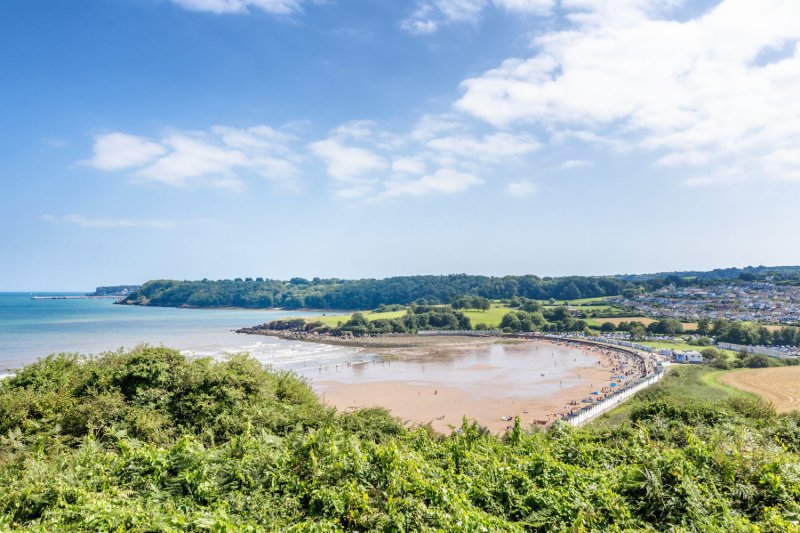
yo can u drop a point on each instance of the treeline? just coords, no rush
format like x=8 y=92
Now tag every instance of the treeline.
x=147 y=440
x=664 y=326
x=417 y=318
x=722 y=329
x=364 y=294
x=749 y=272
x=532 y=317
x=748 y=333
x=334 y=293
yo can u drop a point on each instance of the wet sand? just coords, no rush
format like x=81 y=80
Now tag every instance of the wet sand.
x=486 y=381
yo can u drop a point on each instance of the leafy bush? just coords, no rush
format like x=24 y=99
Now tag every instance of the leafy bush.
x=147 y=440
x=154 y=394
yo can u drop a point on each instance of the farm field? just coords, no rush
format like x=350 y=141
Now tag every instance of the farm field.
x=580 y=301
x=491 y=317
x=688 y=326
x=643 y=319
x=590 y=308
x=333 y=320
x=780 y=385
x=771 y=327
x=598 y=321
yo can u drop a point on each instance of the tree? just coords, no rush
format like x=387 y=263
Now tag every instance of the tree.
x=715 y=358
x=666 y=326
x=471 y=302
x=637 y=331
x=608 y=327
x=531 y=306
x=704 y=326
x=570 y=292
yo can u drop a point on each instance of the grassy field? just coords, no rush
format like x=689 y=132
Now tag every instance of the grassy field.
x=333 y=320
x=643 y=319
x=682 y=382
x=491 y=317
x=591 y=308
x=580 y=301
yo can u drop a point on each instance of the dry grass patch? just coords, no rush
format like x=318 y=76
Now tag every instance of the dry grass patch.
x=780 y=385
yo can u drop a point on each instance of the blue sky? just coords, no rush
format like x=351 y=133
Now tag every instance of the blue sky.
x=222 y=138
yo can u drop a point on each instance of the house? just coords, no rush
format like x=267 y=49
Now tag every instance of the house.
x=688 y=356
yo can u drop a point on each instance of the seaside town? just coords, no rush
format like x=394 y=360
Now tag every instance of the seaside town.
x=762 y=302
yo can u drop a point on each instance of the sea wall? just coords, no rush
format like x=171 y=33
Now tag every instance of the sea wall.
x=597 y=409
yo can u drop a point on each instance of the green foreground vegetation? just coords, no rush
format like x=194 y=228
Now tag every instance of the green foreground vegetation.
x=148 y=440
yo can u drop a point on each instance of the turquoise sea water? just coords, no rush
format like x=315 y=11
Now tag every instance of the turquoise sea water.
x=31 y=329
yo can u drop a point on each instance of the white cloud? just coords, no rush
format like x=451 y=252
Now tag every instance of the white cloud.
x=365 y=160
x=716 y=91
x=521 y=189
x=356 y=129
x=443 y=181
x=152 y=223
x=539 y=7
x=492 y=147
x=347 y=163
x=420 y=26
x=221 y=157
x=430 y=15
x=277 y=7
x=118 y=151
x=431 y=126
x=574 y=163
x=193 y=157
x=409 y=165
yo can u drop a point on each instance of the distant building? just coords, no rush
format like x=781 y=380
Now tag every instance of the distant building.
x=687 y=356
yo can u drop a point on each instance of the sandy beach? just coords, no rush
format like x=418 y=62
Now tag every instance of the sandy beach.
x=440 y=380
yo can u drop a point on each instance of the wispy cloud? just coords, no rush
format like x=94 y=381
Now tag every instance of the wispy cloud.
x=277 y=7
x=221 y=157
x=443 y=181
x=431 y=15
x=152 y=223
x=574 y=163
x=117 y=151
x=493 y=147
x=440 y=155
x=521 y=189
x=56 y=143
x=351 y=156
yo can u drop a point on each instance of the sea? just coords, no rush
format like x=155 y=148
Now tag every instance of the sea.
x=31 y=329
